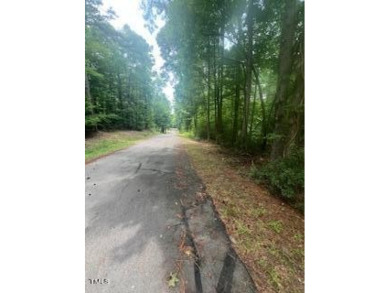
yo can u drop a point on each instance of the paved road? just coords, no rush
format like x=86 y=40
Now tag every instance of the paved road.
x=147 y=215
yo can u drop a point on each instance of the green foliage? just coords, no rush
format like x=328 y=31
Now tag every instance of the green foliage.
x=231 y=87
x=284 y=176
x=206 y=48
x=187 y=134
x=121 y=91
x=173 y=280
x=103 y=121
x=162 y=115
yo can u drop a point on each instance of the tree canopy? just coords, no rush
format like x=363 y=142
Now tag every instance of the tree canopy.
x=121 y=90
x=239 y=68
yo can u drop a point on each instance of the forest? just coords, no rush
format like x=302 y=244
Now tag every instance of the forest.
x=238 y=69
x=121 y=90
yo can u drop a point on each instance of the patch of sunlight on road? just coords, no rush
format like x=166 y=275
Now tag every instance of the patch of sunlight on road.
x=148 y=264
x=150 y=256
x=114 y=240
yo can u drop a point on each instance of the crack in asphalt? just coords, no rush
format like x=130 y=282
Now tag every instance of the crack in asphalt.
x=190 y=240
x=139 y=167
x=154 y=170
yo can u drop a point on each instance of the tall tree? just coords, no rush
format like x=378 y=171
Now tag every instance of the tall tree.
x=285 y=64
x=248 y=73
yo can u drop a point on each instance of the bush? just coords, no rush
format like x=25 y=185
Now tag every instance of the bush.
x=285 y=177
x=103 y=121
x=188 y=134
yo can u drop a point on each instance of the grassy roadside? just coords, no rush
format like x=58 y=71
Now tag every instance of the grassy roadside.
x=267 y=234
x=104 y=143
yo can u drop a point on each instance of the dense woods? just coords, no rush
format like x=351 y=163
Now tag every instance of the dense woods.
x=121 y=91
x=239 y=68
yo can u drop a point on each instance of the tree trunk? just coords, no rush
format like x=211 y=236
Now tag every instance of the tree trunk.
x=196 y=123
x=236 y=107
x=264 y=124
x=88 y=93
x=208 y=96
x=285 y=63
x=220 y=124
x=248 y=77
x=296 y=118
x=120 y=91
x=216 y=91
x=252 y=115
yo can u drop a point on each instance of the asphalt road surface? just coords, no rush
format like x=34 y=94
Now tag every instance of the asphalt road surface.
x=147 y=217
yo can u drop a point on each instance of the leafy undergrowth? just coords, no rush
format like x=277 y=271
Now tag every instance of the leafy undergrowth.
x=284 y=177
x=104 y=143
x=188 y=134
x=267 y=234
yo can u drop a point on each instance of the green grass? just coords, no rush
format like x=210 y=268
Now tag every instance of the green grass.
x=187 y=134
x=258 y=212
x=242 y=229
x=277 y=226
x=298 y=236
x=112 y=141
x=275 y=278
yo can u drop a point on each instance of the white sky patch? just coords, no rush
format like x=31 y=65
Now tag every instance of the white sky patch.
x=168 y=91
x=129 y=12
x=227 y=44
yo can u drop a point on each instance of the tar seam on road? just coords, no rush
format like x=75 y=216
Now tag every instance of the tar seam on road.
x=190 y=239
x=156 y=170
x=139 y=167
x=227 y=269
x=226 y=276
